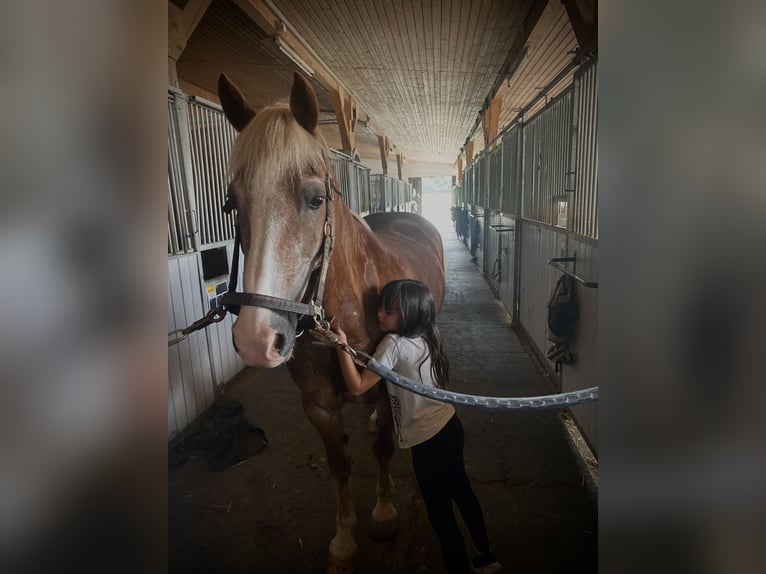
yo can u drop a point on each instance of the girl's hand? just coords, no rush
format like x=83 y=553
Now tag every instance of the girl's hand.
x=339 y=335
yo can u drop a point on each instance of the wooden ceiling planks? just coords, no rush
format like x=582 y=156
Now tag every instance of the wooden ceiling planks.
x=420 y=70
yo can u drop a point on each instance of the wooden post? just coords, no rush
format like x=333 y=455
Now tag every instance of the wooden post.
x=172 y=72
x=383 y=145
x=182 y=23
x=399 y=165
x=460 y=170
x=583 y=15
x=469 y=153
x=491 y=120
x=346 y=114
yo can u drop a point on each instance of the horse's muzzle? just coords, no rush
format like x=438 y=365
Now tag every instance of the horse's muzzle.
x=264 y=338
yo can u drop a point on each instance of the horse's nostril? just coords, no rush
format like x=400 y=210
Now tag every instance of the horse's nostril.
x=279 y=342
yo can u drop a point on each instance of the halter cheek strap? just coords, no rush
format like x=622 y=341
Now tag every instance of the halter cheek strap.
x=232 y=300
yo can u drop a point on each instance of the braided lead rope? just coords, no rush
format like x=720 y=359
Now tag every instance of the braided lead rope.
x=496 y=403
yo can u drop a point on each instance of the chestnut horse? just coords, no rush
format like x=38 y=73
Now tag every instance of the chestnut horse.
x=288 y=208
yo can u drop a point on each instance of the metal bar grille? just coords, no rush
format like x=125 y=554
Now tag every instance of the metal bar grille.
x=354 y=180
x=511 y=178
x=468 y=183
x=407 y=191
x=481 y=183
x=340 y=163
x=363 y=186
x=377 y=193
x=212 y=137
x=547 y=147
x=585 y=200
x=179 y=232
x=495 y=173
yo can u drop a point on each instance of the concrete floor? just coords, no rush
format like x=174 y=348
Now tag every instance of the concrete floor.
x=274 y=513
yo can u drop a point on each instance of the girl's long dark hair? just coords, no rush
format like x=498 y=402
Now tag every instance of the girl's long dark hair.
x=414 y=301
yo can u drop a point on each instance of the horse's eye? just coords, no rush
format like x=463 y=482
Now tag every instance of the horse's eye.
x=316 y=202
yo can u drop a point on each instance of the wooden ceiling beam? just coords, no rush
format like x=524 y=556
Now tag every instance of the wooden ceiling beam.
x=182 y=21
x=584 y=19
x=385 y=148
x=347 y=115
x=491 y=120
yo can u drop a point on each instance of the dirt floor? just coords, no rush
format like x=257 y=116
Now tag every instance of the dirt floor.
x=275 y=512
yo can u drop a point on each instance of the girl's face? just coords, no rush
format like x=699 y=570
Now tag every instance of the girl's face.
x=389 y=321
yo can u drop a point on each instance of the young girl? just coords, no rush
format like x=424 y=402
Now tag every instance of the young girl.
x=412 y=347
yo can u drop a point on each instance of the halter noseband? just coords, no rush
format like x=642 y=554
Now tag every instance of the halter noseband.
x=232 y=300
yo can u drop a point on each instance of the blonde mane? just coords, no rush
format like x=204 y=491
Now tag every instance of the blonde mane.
x=274 y=145
x=361 y=220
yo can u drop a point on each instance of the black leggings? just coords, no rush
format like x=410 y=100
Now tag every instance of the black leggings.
x=440 y=472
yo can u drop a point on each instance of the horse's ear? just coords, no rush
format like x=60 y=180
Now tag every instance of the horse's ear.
x=303 y=103
x=237 y=110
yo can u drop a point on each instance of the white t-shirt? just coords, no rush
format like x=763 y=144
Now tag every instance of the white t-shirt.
x=416 y=418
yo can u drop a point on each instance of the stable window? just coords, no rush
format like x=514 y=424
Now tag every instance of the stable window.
x=214 y=263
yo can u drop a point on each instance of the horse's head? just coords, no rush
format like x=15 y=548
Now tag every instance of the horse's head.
x=278 y=167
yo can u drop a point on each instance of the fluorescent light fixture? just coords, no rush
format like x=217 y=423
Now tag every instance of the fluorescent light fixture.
x=296 y=59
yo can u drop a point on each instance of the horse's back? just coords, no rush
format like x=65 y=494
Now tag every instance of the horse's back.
x=405 y=224
x=416 y=243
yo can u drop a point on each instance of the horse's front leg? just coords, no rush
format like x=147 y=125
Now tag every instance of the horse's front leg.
x=329 y=424
x=385 y=519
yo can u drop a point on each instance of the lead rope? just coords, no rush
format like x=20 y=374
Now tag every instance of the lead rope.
x=217 y=314
x=536 y=403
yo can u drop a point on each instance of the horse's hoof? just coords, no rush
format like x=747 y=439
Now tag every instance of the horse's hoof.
x=342 y=556
x=383 y=530
x=341 y=566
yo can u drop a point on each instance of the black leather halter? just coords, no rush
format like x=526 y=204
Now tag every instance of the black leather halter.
x=232 y=300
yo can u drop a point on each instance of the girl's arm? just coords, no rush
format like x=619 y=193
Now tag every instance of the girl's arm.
x=357 y=382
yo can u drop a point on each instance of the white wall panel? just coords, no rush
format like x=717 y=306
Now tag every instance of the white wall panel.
x=501 y=244
x=177 y=418
x=538 y=244
x=538 y=279
x=190 y=378
x=508 y=279
x=584 y=373
x=225 y=361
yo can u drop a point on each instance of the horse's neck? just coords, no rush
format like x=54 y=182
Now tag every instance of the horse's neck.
x=356 y=250
x=352 y=279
